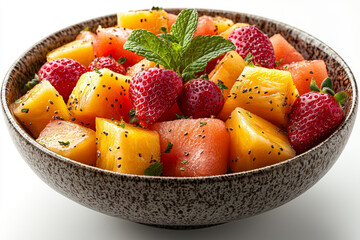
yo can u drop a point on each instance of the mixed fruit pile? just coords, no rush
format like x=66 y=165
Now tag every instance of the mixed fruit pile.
x=179 y=95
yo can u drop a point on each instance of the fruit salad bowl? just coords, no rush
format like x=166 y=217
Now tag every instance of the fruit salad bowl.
x=186 y=202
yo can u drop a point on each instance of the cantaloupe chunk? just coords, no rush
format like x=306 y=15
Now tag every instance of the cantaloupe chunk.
x=221 y=24
x=125 y=148
x=269 y=93
x=227 y=32
x=227 y=71
x=199 y=147
x=101 y=93
x=152 y=20
x=255 y=142
x=78 y=50
x=70 y=140
x=171 y=20
x=39 y=106
x=302 y=73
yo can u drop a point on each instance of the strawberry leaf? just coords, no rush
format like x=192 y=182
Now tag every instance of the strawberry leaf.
x=326 y=83
x=341 y=97
x=328 y=91
x=313 y=86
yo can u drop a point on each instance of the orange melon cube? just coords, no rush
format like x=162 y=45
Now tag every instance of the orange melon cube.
x=221 y=24
x=143 y=64
x=227 y=32
x=255 y=142
x=39 y=106
x=70 y=140
x=100 y=94
x=125 y=148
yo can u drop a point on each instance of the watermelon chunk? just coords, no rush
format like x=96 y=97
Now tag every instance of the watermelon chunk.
x=110 y=42
x=302 y=73
x=285 y=53
x=200 y=147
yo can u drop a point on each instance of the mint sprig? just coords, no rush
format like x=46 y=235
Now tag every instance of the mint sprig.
x=179 y=50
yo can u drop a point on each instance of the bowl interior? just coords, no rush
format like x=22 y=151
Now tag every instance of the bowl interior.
x=311 y=48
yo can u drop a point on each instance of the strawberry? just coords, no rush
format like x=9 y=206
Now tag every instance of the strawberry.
x=315 y=116
x=106 y=62
x=200 y=98
x=153 y=91
x=249 y=39
x=63 y=74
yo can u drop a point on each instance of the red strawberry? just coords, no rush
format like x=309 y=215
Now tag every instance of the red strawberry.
x=63 y=74
x=314 y=117
x=153 y=91
x=106 y=62
x=200 y=98
x=249 y=39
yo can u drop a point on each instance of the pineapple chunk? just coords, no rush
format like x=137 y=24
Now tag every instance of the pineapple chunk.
x=228 y=31
x=152 y=21
x=268 y=93
x=221 y=24
x=227 y=71
x=70 y=140
x=125 y=148
x=255 y=142
x=78 y=50
x=100 y=94
x=38 y=106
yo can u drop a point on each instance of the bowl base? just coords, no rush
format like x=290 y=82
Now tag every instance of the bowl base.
x=181 y=227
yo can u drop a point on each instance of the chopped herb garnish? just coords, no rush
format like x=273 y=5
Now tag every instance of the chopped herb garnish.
x=25 y=110
x=64 y=143
x=132 y=118
x=86 y=29
x=97 y=70
x=169 y=147
x=156 y=8
x=203 y=124
x=32 y=83
x=163 y=30
x=248 y=60
x=277 y=63
x=122 y=60
x=154 y=169
x=181 y=116
x=182 y=169
x=285 y=67
x=17 y=101
x=184 y=162
x=221 y=85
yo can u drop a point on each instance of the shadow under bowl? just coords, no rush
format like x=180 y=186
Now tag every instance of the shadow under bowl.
x=182 y=202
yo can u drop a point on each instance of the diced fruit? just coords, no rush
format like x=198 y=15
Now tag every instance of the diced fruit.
x=200 y=147
x=39 y=106
x=125 y=148
x=205 y=26
x=143 y=64
x=255 y=142
x=110 y=42
x=227 y=32
x=171 y=19
x=101 y=93
x=221 y=24
x=227 y=71
x=171 y=114
x=303 y=72
x=249 y=39
x=314 y=117
x=268 y=93
x=63 y=74
x=200 y=98
x=78 y=50
x=153 y=91
x=210 y=66
x=152 y=21
x=106 y=62
x=87 y=36
x=285 y=53
x=70 y=140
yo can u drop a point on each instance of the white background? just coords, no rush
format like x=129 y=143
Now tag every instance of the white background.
x=29 y=209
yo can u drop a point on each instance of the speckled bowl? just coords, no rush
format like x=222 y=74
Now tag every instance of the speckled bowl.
x=182 y=202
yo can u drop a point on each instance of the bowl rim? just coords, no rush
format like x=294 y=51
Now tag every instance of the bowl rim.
x=228 y=176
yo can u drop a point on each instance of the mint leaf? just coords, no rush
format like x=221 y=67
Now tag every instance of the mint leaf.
x=248 y=60
x=202 y=49
x=169 y=147
x=154 y=169
x=122 y=60
x=185 y=26
x=64 y=143
x=148 y=45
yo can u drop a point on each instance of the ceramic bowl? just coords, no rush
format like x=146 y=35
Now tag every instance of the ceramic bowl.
x=182 y=202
